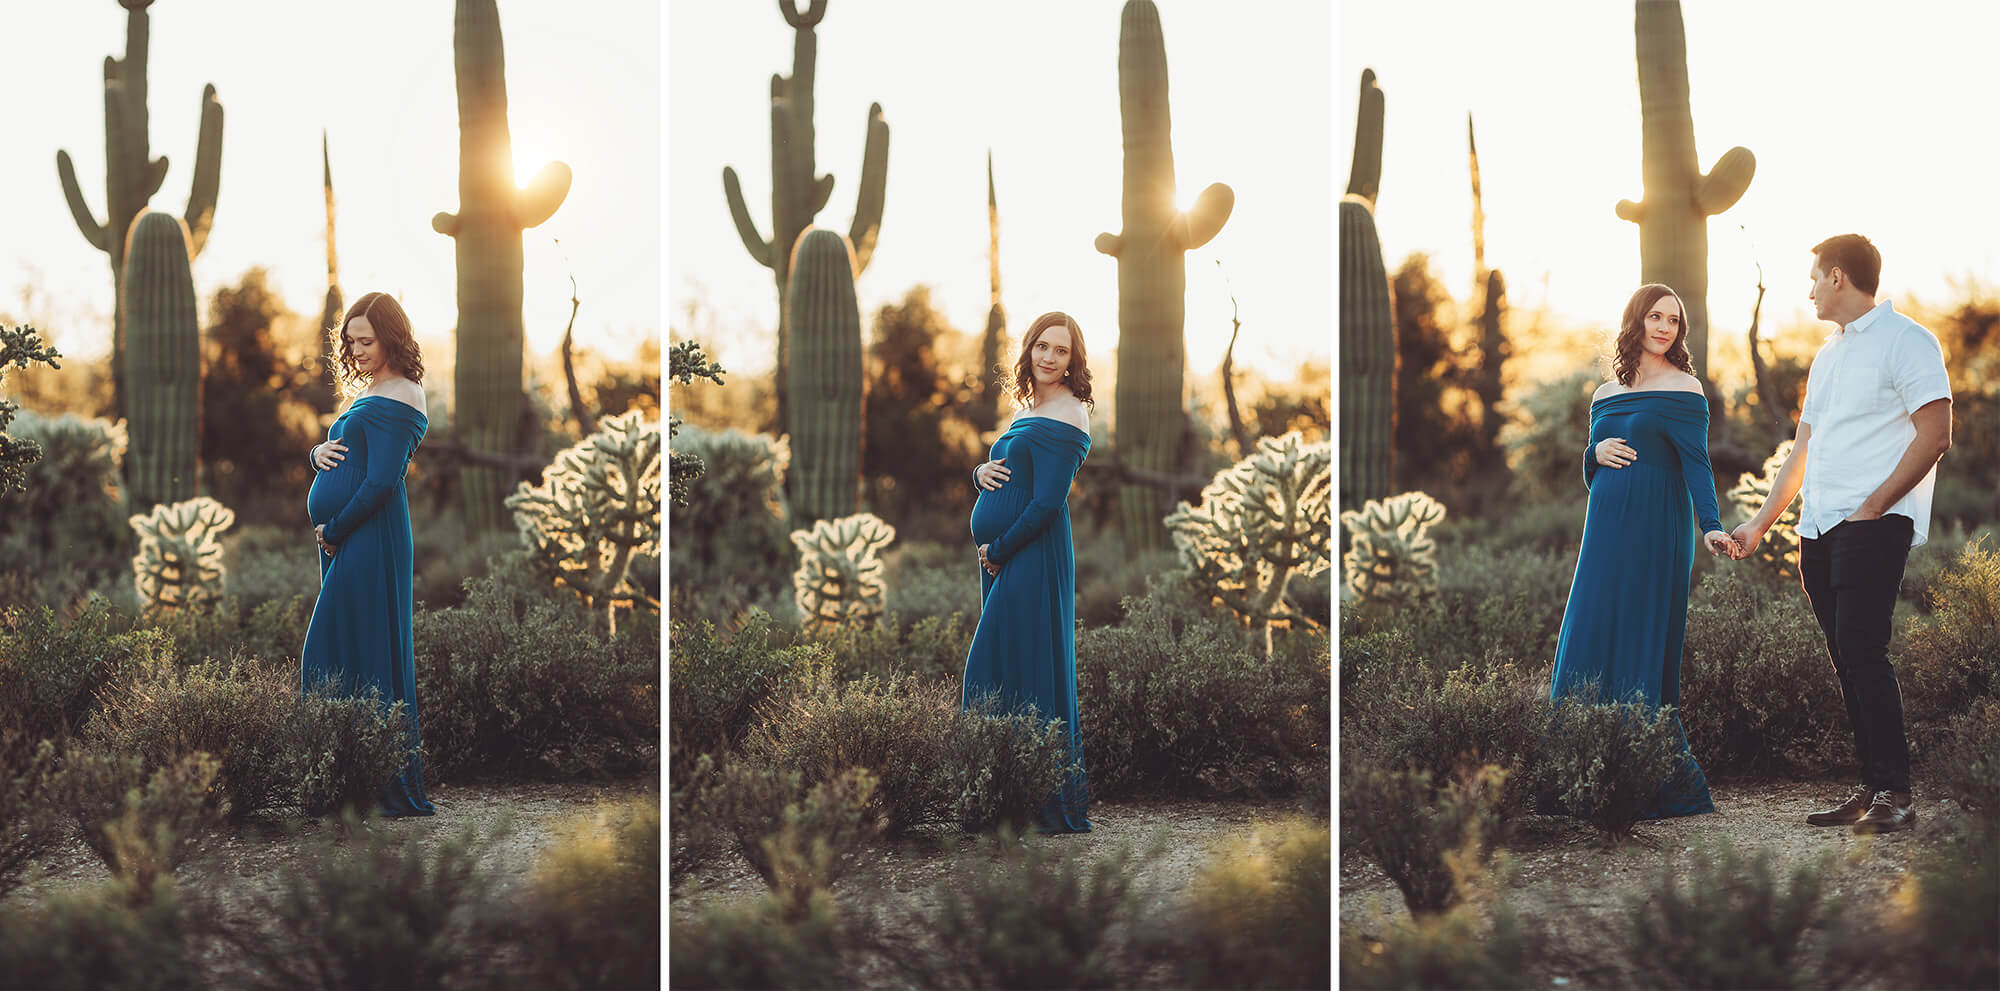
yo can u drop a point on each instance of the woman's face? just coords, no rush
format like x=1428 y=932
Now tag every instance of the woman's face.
x=363 y=345
x=1048 y=360
x=1663 y=325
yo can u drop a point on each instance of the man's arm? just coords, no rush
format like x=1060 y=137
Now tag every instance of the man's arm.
x=1933 y=423
x=1784 y=488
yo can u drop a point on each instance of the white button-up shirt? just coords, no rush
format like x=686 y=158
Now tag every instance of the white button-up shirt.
x=1864 y=384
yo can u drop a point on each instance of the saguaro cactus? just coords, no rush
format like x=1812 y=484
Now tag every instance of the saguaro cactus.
x=826 y=379
x=492 y=212
x=1673 y=217
x=131 y=176
x=1367 y=320
x=1152 y=252
x=321 y=395
x=986 y=414
x=797 y=194
x=163 y=361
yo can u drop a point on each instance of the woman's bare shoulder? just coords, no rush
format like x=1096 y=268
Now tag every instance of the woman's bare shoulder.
x=1074 y=413
x=404 y=391
x=1684 y=382
x=1610 y=388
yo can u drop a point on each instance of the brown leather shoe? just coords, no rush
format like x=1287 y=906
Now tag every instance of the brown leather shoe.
x=1889 y=812
x=1846 y=813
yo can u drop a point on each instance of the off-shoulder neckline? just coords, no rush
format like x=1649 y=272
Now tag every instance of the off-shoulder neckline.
x=358 y=400
x=1050 y=419
x=1641 y=392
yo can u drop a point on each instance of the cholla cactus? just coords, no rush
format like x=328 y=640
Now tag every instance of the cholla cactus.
x=1261 y=522
x=839 y=581
x=179 y=564
x=597 y=507
x=1392 y=559
x=19 y=347
x=1779 y=550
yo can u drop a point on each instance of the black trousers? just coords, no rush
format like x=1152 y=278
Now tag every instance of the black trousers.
x=1852 y=573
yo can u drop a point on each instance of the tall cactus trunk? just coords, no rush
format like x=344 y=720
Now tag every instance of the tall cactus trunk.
x=1367 y=320
x=1491 y=288
x=323 y=395
x=163 y=360
x=1679 y=199
x=489 y=400
x=798 y=192
x=132 y=176
x=1152 y=252
x=986 y=413
x=826 y=378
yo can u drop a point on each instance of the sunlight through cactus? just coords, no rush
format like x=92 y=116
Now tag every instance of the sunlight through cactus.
x=1393 y=560
x=1779 y=550
x=598 y=506
x=839 y=581
x=1262 y=522
x=179 y=564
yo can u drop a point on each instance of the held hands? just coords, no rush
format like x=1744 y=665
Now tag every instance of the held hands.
x=992 y=474
x=326 y=456
x=1613 y=452
x=1721 y=544
x=1746 y=538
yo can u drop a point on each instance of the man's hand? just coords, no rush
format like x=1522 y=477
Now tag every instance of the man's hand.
x=1745 y=537
x=1863 y=515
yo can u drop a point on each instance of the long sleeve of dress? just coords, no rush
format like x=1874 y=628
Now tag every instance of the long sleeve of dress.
x=1690 y=439
x=388 y=455
x=1589 y=463
x=1054 y=467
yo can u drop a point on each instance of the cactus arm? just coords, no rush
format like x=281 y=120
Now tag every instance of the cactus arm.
x=1200 y=223
x=445 y=222
x=156 y=176
x=543 y=194
x=868 y=201
x=1365 y=175
x=822 y=191
x=86 y=222
x=207 y=171
x=746 y=228
x=1634 y=212
x=810 y=18
x=1110 y=244
x=1724 y=185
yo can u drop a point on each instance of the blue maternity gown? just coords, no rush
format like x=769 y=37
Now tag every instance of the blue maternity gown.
x=1025 y=645
x=1626 y=621
x=360 y=632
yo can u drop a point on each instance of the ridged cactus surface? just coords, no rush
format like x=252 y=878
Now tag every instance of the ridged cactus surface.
x=1679 y=199
x=1151 y=249
x=132 y=176
x=163 y=363
x=798 y=192
x=840 y=577
x=487 y=380
x=1392 y=560
x=1367 y=319
x=179 y=564
x=826 y=379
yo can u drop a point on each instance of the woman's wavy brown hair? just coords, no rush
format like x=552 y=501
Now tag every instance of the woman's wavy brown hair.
x=1632 y=333
x=392 y=329
x=1023 y=387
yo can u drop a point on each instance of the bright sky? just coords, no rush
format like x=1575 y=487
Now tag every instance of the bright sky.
x=1903 y=154
x=1037 y=82
x=582 y=86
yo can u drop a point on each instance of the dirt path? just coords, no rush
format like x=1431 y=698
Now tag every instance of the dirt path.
x=1579 y=887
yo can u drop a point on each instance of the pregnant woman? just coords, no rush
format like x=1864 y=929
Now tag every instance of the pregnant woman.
x=1025 y=647
x=360 y=633
x=1652 y=501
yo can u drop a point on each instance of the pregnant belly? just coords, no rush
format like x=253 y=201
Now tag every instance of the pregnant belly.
x=331 y=490
x=995 y=511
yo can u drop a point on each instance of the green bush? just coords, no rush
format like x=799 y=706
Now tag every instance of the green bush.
x=935 y=580
x=1731 y=928
x=775 y=819
x=1178 y=697
x=273 y=630
x=343 y=750
x=52 y=670
x=141 y=825
x=735 y=524
x=241 y=712
x=1403 y=716
x=101 y=939
x=1758 y=693
x=1260 y=914
x=1425 y=832
x=716 y=684
x=1606 y=761
x=269 y=563
x=71 y=515
x=1546 y=432
x=1107 y=574
x=1948 y=938
x=934 y=648
x=1492 y=607
x=30 y=824
x=514 y=681
x=1965 y=763
x=760 y=944
x=1004 y=765
x=594 y=903
x=1459 y=948
x=1955 y=657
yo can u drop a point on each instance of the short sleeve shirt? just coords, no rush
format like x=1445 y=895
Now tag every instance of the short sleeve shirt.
x=1864 y=384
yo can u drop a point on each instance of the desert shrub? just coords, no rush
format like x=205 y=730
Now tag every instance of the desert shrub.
x=1108 y=573
x=1177 y=696
x=937 y=580
x=796 y=835
x=514 y=681
x=1425 y=834
x=1454 y=949
x=272 y=631
x=594 y=903
x=1955 y=657
x=1003 y=766
x=717 y=683
x=240 y=712
x=141 y=825
x=368 y=908
x=1948 y=934
x=70 y=516
x=1492 y=607
x=933 y=648
x=759 y=944
x=270 y=563
x=1606 y=760
x=735 y=523
x=1260 y=913
x=1733 y=926
x=1546 y=432
x=446 y=554
x=1758 y=692
x=343 y=750
x=1965 y=763
x=30 y=826
x=1551 y=526
x=1934 y=558
x=1405 y=717
x=52 y=670
x=100 y=939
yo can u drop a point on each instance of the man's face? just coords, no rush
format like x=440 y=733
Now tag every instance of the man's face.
x=1821 y=293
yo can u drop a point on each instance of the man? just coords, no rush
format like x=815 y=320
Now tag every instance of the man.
x=1877 y=417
